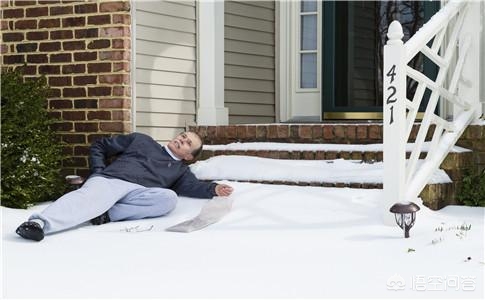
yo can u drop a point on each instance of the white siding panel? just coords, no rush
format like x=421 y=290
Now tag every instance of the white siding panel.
x=164 y=91
x=165 y=50
x=248 y=48
x=242 y=9
x=249 y=61
x=249 y=72
x=152 y=19
x=163 y=63
x=165 y=78
x=165 y=67
x=165 y=36
x=166 y=8
x=165 y=106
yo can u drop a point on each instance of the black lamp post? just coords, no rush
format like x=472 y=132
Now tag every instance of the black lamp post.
x=405 y=214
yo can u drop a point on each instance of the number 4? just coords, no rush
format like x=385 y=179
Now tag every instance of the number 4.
x=392 y=73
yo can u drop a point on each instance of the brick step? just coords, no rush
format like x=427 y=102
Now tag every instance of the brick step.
x=328 y=133
x=454 y=164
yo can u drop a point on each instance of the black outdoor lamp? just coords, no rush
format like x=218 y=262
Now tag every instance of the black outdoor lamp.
x=405 y=214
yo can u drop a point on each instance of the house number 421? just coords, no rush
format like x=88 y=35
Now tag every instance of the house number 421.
x=391 y=99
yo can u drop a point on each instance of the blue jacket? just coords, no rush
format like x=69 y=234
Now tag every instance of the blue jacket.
x=142 y=160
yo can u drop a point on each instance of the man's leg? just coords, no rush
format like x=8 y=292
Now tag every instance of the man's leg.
x=95 y=197
x=143 y=203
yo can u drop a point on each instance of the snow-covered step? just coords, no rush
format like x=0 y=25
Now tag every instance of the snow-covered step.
x=315 y=172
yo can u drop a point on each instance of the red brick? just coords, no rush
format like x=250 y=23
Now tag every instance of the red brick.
x=74 y=45
x=328 y=132
x=28 y=47
x=122 y=19
x=114 y=6
x=50 y=69
x=375 y=132
x=81 y=150
x=26 y=24
x=49 y=1
x=114 y=103
x=362 y=132
x=317 y=132
x=83 y=80
x=37 y=35
x=37 y=58
x=121 y=44
x=86 y=127
x=70 y=69
x=85 y=56
x=99 y=20
x=339 y=131
x=85 y=103
x=273 y=131
x=33 y=12
x=53 y=92
x=294 y=131
x=115 y=32
x=3 y=48
x=351 y=133
x=3 y=25
x=99 y=91
x=74 y=115
x=251 y=132
x=95 y=137
x=50 y=46
x=24 y=2
x=62 y=126
x=261 y=131
x=74 y=161
x=121 y=66
x=61 y=57
x=121 y=115
x=60 y=104
x=99 y=115
x=12 y=36
x=112 y=126
x=86 y=8
x=61 y=10
x=61 y=34
x=86 y=33
x=99 y=67
x=99 y=44
x=16 y=13
x=49 y=23
x=55 y=114
x=114 y=78
x=60 y=81
x=13 y=59
x=73 y=22
x=74 y=92
x=121 y=91
x=305 y=132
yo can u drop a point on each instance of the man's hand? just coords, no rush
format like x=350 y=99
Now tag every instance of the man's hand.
x=223 y=190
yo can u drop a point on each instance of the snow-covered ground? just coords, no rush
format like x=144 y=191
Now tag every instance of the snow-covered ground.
x=278 y=241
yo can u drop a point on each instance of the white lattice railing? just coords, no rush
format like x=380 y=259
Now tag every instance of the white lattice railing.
x=448 y=40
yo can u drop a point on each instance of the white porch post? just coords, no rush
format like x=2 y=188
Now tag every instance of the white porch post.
x=469 y=87
x=210 y=109
x=394 y=92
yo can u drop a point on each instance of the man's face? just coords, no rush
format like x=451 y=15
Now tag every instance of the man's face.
x=184 y=144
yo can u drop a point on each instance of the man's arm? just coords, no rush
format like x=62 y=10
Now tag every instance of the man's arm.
x=105 y=148
x=188 y=185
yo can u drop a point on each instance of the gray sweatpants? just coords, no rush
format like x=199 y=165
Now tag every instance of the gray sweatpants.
x=122 y=199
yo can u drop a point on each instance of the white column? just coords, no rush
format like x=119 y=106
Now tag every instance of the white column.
x=471 y=32
x=210 y=36
x=394 y=91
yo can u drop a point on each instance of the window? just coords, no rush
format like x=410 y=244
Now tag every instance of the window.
x=308 y=44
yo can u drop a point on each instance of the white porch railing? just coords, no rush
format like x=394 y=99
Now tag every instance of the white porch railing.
x=452 y=44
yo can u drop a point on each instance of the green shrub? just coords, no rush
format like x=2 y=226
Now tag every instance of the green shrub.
x=31 y=155
x=472 y=192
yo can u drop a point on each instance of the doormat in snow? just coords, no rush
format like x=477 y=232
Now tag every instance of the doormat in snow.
x=213 y=211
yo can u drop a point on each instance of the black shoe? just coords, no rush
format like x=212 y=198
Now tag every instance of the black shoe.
x=31 y=231
x=102 y=219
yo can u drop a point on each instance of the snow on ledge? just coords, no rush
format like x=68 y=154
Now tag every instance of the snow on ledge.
x=315 y=147
x=239 y=167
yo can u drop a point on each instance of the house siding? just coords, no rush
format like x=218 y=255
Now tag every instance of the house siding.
x=165 y=62
x=249 y=46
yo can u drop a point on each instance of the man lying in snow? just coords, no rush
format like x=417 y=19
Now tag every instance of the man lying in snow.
x=143 y=182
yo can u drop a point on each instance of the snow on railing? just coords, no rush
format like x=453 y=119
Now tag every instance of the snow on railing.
x=446 y=42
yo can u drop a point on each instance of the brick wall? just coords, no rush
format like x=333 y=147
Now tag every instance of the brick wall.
x=83 y=48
